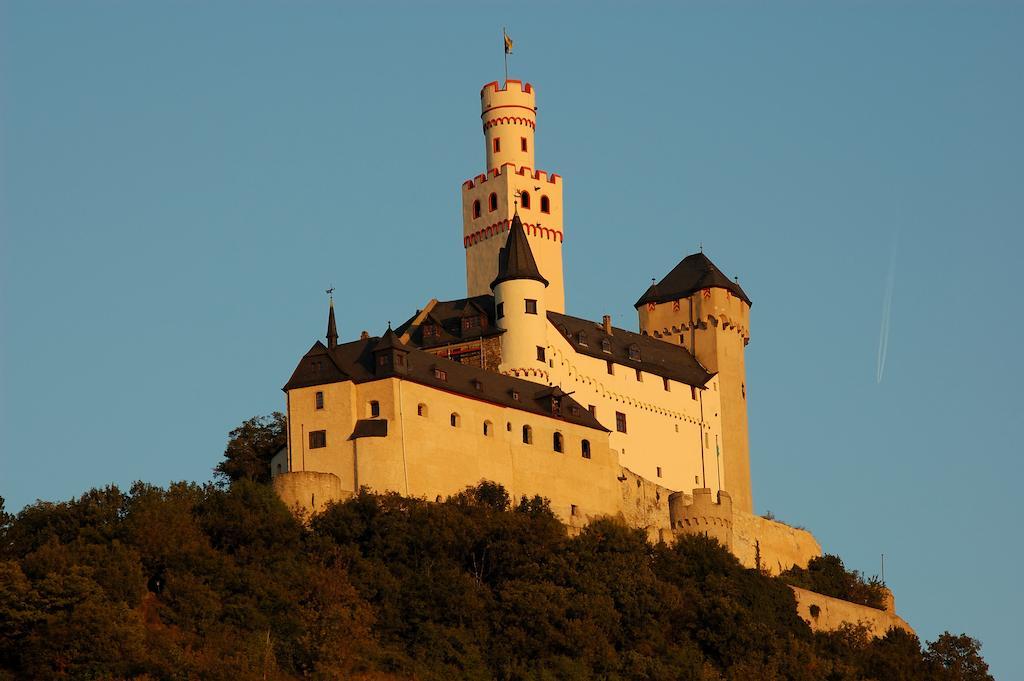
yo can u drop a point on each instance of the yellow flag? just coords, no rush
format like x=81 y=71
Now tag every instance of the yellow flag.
x=508 y=44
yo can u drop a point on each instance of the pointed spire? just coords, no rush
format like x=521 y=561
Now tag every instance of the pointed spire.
x=332 y=326
x=515 y=260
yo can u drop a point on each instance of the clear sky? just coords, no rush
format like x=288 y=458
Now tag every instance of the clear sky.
x=182 y=180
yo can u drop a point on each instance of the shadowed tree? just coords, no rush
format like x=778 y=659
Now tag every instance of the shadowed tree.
x=956 y=658
x=250 y=448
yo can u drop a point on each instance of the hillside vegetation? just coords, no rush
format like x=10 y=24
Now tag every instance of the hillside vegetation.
x=222 y=582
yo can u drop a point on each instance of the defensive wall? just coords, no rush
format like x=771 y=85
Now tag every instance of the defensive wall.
x=825 y=613
x=308 y=491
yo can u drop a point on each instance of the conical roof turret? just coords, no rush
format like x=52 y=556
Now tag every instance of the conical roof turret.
x=332 y=328
x=515 y=260
x=693 y=273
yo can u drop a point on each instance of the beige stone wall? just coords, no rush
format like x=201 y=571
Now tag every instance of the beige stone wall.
x=675 y=430
x=308 y=491
x=703 y=513
x=715 y=327
x=782 y=546
x=645 y=505
x=425 y=456
x=824 y=613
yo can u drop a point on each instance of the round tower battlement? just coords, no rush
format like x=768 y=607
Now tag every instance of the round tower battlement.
x=702 y=515
x=509 y=116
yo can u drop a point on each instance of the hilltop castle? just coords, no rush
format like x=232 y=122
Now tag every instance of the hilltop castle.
x=503 y=385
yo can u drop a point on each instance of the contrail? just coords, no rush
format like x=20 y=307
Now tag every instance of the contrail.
x=883 y=334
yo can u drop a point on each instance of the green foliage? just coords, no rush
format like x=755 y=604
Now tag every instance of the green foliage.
x=827 y=575
x=221 y=582
x=250 y=448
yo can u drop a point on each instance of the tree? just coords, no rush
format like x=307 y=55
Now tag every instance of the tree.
x=956 y=658
x=250 y=448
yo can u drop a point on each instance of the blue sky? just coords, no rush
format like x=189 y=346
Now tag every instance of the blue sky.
x=179 y=181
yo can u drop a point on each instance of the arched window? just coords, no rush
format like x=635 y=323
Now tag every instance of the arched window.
x=524 y=199
x=558 y=442
x=492 y=202
x=374 y=409
x=421 y=409
x=545 y=204
x=476 y=208
x=455 y=420
x=585 y=449
x=488 y=429
x=527 y=435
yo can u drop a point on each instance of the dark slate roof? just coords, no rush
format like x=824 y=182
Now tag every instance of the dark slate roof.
x=656 y=356
x=354 y=362
x=448 y=316
x=515 y=260
x=370 y=428
x=389 y=341
x=693 y=273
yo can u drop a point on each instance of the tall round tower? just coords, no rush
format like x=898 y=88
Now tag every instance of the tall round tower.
x=509 y=119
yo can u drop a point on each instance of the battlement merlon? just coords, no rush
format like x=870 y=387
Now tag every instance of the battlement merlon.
x=505 y=168
x=514 y=92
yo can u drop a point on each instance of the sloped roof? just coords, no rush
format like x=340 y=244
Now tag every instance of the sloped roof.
x=354 y=362
x=515 y=260
x=448 y=315
x=657 y=357
x=693 y=273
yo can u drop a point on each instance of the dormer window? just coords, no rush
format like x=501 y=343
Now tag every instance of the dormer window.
x=556 y=406
x=440 y=374
x=582 y=338
x=430 y=331
x=477 y=384
x=634 y=352
x=606 y=345
x=471 y=322
x=515 y=395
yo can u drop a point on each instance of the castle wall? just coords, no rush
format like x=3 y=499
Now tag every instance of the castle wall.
x=645 y=505
x=824 y=613
x=703 y=513
x=425 y=456
x=665 y=428
x=308 y=491
x=781 y=546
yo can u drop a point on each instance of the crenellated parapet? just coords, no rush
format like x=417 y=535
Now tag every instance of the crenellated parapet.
x=702 y=513
x=500 y=227
x=507 y=168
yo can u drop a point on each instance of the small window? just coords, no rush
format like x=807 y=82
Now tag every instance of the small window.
x=659 y=471
x=639 y=376
x=523 y=146
x=499 y=311
x=541 y=354
x=558 y=442
x=693 y=393
x=430 y=331
x=488 y=429
x=545 y=205
x=585 y=449
x=593 y=410
x=611 y=367
x=317 y=439
x=478 y=384
x=319 y=400
x=575 y=410
x=582 y=338
x=531 y=306
x=374 y=409
x=743 y=390
x=527 y=435
x=634 y=353
x=421 y=409
x=455 y=420
x=278 y=468
x=508 y=426
x=620 y=422
x=492 y=202
x=574 y=510
x=471 y=322
x=556 y=406
x=606 y=345
x=515 y=395
x=665 y=384
x=476 y=208
x=497 y=144
x=524 y=199
x=441 y=374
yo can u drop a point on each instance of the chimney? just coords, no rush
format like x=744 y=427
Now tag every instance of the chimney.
x=364 y=335
x=606 y=321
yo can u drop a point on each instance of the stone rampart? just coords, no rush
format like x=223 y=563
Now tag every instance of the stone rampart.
x=645 y=505
x=825 y=613
x=702 y=513
x=308 y=491
x=780 y=546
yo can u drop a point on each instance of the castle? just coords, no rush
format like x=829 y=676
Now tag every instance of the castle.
x=503 y=385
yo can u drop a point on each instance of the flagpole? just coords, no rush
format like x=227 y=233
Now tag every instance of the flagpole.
x=504 y=44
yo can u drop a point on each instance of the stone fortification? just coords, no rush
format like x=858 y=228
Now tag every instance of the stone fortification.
x=308 y=491
x=824 y=613
x=780 y=546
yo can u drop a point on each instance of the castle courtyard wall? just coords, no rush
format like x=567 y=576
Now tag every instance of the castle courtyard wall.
x=781 y=546
x=825 y=613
